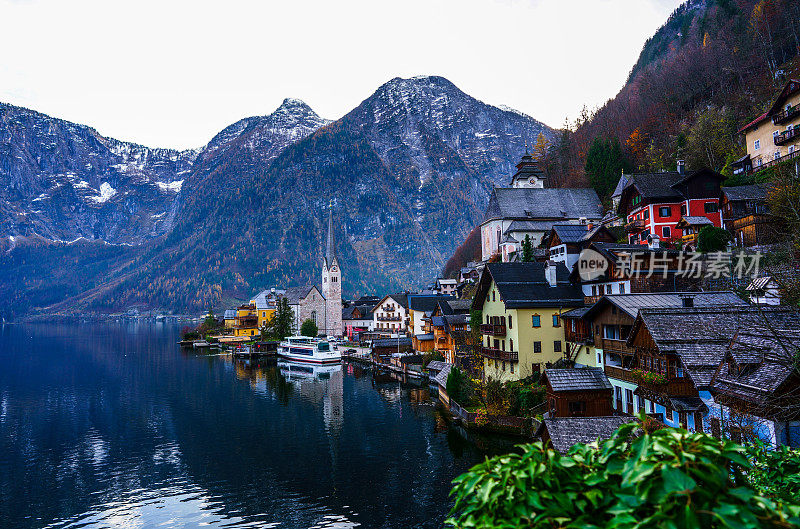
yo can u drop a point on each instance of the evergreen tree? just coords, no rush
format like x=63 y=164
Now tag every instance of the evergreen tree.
x=527 y=250
x=282 y=323
x=309 y=328
x=605 y=163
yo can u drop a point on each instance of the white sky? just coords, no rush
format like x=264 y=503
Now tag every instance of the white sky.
x=174 y=73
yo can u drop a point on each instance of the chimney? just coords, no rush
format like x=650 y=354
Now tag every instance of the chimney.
x=687 y=301
x=589 y=226
x=681 y=166
x=653 y=242
x=550 y=272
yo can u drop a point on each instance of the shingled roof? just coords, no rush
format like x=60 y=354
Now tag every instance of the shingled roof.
x=589 y=378
x=565 y=432
x=575 y=233
x=543 y=203
x=296 y=294
x=425 y=302
x=523 y=285
x=747 y=192
x=631 y=303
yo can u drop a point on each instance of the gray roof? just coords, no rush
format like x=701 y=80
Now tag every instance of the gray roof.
x=455 y=306
x=521 y=226
x=567 y=431
x=425 y=302
x=620 y=186
x=697 y=221
x=330 y=243
x=631 y=303
x=296 y=294
x=262 y=297
x=424 y=337
x=229 y=314
x=575 y=233
x=589 y=378
x=748 y=192
x=391 y=342
x=400 y=298
x=441 y=378
x=762 y=282
x=524 y=285
x=655 y=185
x=543 y=203
x=575 y=313
x=436 y=365
x=701 y=336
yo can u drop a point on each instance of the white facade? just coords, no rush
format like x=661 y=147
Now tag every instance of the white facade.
x=390 y=316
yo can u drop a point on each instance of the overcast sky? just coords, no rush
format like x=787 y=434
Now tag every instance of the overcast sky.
x=172 y=74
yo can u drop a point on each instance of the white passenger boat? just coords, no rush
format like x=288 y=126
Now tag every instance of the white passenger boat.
x=296 y=371
x=313 y=350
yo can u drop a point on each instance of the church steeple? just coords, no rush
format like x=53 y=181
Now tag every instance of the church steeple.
x=330 y=246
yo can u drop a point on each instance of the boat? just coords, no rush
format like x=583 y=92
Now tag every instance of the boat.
x=312 y=350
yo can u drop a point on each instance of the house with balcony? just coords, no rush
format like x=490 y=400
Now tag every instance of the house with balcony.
x=357 y=319
x=598 y=336
x=525 y=209
x=723 y=370
x=246 y=321
x=450 y=329
x=746 y=215
x=521 y=306
x=774 y=136
x=390 y=314
x=420 y=308
x=652 y=204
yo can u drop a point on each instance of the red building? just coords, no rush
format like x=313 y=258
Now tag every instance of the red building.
x=654 y=203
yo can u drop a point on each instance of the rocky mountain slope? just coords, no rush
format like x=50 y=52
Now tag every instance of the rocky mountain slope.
x=62 y=181
x=408 y=173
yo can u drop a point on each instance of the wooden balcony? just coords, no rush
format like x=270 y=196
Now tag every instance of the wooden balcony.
x=388 y=318
x=786 y=115
x=497 y=354
x=616 y=346
x=635 y=225
x=786 y=137
x=493 y=329
x=620 y=373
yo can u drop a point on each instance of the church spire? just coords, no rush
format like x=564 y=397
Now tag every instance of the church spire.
x=330 y=246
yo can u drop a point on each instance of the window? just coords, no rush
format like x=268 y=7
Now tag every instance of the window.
x=629 y=400
x=503 y=365
x=572 y=325
x=510 y=344
x=665 y=231
x=511 y=365
x=577 y=408
x=557 y=346
x=493 y=298
x=756 y=145
x=683 y=210
x=646 y=214
x=710 y=207
x=537 y=347
x=599 y=359
x=608 y=289
x=536 y=320
x=510 y=321
x=556 y=322
x=665 y=211
x=622 y=288
x=777 y=154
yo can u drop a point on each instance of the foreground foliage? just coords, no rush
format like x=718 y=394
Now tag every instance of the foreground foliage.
x=668 y=478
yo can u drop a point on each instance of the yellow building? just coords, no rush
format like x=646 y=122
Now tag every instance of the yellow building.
x=774 y=136
x=246 y=322
x=521 y=306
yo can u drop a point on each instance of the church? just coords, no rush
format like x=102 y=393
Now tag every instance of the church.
x=322 y=305
x=529 y=207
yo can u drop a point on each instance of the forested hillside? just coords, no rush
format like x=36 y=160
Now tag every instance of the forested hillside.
x=710 y=69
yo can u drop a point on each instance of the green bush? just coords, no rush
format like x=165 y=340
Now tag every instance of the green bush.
x=775 y=472
x=668 y=478
x=459 y=387
x=712 y=239
x=309 y=328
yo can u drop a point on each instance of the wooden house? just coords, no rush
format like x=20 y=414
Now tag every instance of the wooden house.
x=746 y=215
x=577 y=392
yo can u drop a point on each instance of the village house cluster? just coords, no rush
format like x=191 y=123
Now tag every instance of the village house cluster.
x=598 y=305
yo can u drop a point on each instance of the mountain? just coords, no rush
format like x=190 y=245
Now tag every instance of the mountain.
x=63 y=181
x=408 y=173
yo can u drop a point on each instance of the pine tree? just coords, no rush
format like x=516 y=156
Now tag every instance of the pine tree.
x=282 y=323
x=527 y=250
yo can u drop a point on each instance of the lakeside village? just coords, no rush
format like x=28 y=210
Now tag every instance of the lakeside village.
x=575 y=320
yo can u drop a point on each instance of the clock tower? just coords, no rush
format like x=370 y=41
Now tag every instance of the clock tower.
x=332 y=285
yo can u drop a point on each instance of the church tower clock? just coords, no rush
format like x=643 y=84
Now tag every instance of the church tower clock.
x=332 y=285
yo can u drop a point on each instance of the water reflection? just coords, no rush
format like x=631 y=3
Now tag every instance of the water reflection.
x=113 y=426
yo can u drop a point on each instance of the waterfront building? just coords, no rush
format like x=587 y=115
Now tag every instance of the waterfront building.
x=390 y=315
x=420 y=308
x=521 y=305
x=577 y=392
x=332 y=285
x=307 y=303
x=246 y=321
x=229 y=318
x=357 y=319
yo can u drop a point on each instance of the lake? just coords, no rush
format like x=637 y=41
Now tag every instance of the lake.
x=112 y=425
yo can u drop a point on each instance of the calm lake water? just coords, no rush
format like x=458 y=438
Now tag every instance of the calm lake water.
x=114 y=426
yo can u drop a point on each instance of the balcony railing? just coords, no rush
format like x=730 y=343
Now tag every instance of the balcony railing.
x=786 y=115
x=620 y=373
x=616 y=346
x=497 y=354
x=388 y=318
x=493 y=329
x=634 y=225
x=787 y=136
